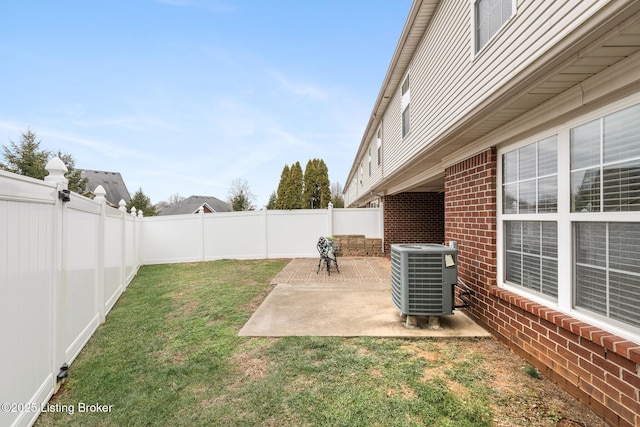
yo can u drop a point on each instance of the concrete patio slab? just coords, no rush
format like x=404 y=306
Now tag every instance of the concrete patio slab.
x=355 y=302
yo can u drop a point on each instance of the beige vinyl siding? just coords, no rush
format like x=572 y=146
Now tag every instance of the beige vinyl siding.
x=393 y=145
x=448 y=81
x=376 y=171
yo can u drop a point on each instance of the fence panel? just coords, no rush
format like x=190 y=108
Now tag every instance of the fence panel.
x=113 y=256
x=238 y=235
x=26 y=293
x=365 y=221
x=293 y=234
x=171 y=239
x=80 y=264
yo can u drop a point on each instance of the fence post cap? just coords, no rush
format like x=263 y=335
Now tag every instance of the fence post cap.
x=140 y=213
x=100 y=193
x=123 y=205
x=56 y=169
x=133 y=210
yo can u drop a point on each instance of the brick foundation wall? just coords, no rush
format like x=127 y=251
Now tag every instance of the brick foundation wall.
x=413 y=218
x=599 y=368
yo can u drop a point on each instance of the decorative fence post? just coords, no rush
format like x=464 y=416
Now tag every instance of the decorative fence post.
x=122 y=207
x=330 y=218
x=57 y=169
x=100 y=198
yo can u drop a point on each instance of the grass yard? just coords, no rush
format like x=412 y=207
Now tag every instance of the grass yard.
x=169 y=354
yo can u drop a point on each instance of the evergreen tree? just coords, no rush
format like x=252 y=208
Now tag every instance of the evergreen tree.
x=77 y=183
x=282 y=188
x=295 y=195
x=142 y=202
x=324 y=183
x=272 y=201
x=26 y=158
x=311 y=189
x=317 y=191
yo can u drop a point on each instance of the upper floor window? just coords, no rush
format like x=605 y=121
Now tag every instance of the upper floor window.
x=406 y=100
x=379 y=146
x=369 y=161
x=489 y=15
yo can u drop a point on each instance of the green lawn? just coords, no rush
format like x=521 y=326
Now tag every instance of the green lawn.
x=169 y=354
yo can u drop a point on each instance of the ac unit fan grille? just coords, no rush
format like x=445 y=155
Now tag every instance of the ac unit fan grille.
x=425 y=282
x=421 y=282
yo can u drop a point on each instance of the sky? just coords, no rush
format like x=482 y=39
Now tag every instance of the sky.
x=186 y=96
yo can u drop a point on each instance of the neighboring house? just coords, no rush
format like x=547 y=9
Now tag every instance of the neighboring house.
x=192 y=205
x=512 y=127
x=112 y=183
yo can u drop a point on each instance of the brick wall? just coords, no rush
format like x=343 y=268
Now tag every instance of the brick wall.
x=413 y=218
x=599 y=368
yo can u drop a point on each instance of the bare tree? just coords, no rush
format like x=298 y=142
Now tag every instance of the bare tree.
x=240 y=196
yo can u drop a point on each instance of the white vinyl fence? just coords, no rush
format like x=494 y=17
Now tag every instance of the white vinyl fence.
x=64 y=264
x=250 y=235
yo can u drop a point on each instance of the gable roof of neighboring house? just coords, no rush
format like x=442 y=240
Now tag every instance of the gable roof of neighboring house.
x=192 y=204
x=112 y=183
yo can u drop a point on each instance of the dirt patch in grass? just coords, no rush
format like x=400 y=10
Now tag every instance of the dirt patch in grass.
x=249 y=366
x=518 y=398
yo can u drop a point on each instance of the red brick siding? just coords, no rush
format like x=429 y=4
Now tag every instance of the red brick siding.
x=413 y=218
x=597 y=367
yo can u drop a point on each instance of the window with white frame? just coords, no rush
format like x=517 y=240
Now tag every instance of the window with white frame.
x=489 y=16
x=406 y=110
x=369 y=161
x=570 y=218
x=605 y=179
x=529 y=188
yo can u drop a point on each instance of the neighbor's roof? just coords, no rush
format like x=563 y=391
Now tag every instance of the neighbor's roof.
x=112 y=183
x=190 y=205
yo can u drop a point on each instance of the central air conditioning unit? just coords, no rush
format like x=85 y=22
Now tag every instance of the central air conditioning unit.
x=423 y=277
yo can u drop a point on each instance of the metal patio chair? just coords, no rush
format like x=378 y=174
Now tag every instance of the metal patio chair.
x=325 y=249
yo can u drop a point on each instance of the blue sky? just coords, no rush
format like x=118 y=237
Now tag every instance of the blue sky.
x=184 y=96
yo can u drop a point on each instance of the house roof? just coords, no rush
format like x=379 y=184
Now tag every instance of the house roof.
x=192 y=204
x=112 y=183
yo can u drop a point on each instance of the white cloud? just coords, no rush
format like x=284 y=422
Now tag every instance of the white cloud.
x=299 y=89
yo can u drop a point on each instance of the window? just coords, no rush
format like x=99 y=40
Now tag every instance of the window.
x=406 y=100
x=605 y=163
x=369 y=161
x=532 y=255
x=530 y=178
x=569 y=218
x=605 y=179
x=607 y=273
x=529 y=186
x=379 y=146
x=489 y=15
